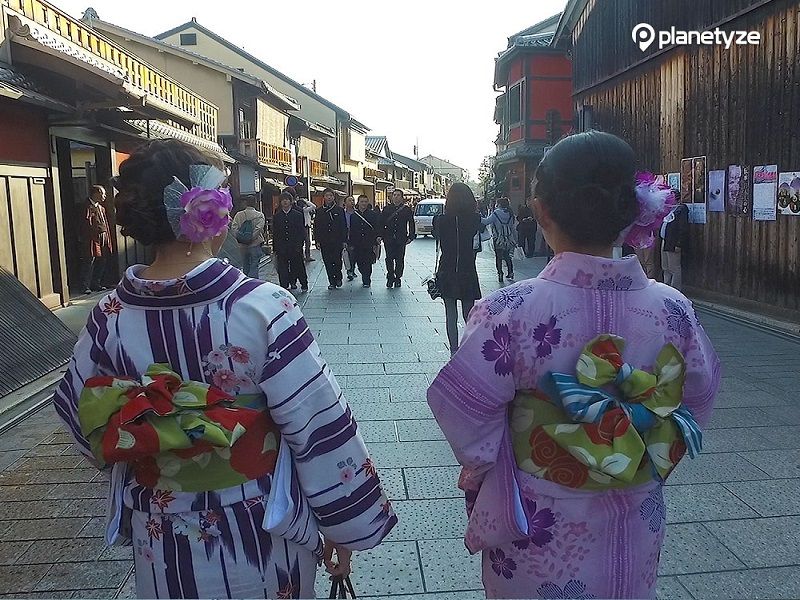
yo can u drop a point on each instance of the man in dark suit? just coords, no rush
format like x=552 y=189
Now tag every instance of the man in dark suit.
x=363 y=238
x=397 y=230
x=330 y=233
x=288 y=236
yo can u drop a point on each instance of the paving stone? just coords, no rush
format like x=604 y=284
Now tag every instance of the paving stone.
x=775 y=463
x=45 y=529
x=378 y=431
x=412 y=367
x=9 y=458
x=376 y=411
x=769 y=498
x=409 y=393
x=362 y=395
x=782 y=583
x=359 y=369
x=767 y=542
x=76 y=576
x=424 y=454
x=472 y=595
x=49 y=449
x=421 y=430
x=432 y=482
x=388 y=357
x=691 y=548
x=388 y=381
x=752 y=398
x=389 y=569
x=56 y=551
x=715 y=468
x=447 y=566
x=754 y=438
x=95 y=507
x=429 y=519
x=15 y=477
x=669 y=588
x=21 y=579
x=707 y=502
x=95 y=528
x=64 y=476
x=31 y=509
x=393 y=483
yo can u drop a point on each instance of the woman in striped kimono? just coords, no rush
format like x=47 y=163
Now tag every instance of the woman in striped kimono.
x=574 y=395
x=236 y=464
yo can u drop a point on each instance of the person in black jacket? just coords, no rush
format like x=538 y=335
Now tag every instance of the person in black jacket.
x=363 y=238
x=397 y=230
x=675 y=236
x=288 y=237
x=330 y=233
x=526 y=230
x=456 y=275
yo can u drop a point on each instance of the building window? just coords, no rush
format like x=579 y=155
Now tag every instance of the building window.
x=515 y=97
x=188 y=39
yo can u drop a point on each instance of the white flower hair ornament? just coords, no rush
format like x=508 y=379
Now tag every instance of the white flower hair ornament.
x=656 y=200
x=203 y=212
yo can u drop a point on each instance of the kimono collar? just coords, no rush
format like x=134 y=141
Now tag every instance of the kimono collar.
x=205 y=283
x=596 y=272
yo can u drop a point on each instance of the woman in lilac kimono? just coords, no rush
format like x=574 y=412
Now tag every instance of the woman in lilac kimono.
x=573 y=395
x=232 y=449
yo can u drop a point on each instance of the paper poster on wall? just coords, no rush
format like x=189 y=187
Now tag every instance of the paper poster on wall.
x=699 y=179
x=686 y=180
x=674 y=180
x=716 y=191
x=789 y=193
x=697 y=213
x=765 y=193
x=738 y=190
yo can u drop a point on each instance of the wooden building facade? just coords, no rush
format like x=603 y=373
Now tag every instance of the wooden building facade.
x=737 y=106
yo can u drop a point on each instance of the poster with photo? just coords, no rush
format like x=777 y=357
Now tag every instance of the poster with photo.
x=738 y=190
x=765 y=193
x=716 y=191
x=699 y=179
x=674 y=180
x=789 y=193
x=686 y=181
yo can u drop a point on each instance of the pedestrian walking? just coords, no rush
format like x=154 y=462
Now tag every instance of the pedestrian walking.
x=504 y=237
x=456 y=275
x=526 y=230
x=169 y=387
x=397 y=231
x=363 y=238
x=248 y=229
x=349 y=254
x=675 y=239
x=568 y=404
x=287 y=243
x=330 y=232
x=96 y=239
x=308 y=208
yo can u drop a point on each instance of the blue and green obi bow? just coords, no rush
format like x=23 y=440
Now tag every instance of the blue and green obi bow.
x=627 y=413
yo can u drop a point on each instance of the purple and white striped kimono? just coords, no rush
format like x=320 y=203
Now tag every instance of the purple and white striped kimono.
x=541 y=539
x=248 y=338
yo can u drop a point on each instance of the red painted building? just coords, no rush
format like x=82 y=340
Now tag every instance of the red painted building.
x=535 y=109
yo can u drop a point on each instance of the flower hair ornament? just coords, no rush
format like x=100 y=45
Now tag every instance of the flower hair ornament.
x=201 y=213
x=656 y=200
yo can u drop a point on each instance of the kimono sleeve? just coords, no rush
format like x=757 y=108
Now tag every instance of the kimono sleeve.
x=469 y=396
x=703 y=373
x=333 y=467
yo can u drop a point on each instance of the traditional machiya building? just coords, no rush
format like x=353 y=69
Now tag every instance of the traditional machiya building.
x=534 y=110
x=73 y=105
x=446 y=168
x=344 y=157
x=734 y=108
x=254 y=118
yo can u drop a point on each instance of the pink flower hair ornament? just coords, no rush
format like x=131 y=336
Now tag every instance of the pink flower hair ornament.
x=656 y=200
x=203 y=212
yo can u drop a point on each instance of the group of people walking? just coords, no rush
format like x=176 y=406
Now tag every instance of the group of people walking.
x=238 y=466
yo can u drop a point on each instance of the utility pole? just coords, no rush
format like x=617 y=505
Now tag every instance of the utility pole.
x=314 y=85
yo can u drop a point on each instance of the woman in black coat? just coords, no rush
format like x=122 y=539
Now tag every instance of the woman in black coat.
x=456 y=275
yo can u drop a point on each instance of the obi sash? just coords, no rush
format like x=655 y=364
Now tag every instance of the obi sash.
x=178 y=435
x=609 y=425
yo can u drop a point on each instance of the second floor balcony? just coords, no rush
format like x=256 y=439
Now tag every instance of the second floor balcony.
x=267 y=155
x=374 y=173
x=316 y=168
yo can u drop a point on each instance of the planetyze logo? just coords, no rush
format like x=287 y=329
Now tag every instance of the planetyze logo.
x=645 y=34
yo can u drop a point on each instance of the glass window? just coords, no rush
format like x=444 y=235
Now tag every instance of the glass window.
x=188 y=39
x=515 y=104
x=428 y=210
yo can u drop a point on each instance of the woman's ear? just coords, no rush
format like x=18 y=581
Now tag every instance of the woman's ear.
x=540 y=213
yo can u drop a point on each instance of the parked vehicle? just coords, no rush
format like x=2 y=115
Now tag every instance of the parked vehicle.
x=424 y=213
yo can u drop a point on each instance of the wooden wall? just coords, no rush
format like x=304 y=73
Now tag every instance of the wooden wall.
x=735 y=106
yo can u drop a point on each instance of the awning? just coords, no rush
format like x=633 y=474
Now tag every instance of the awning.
x=159 y=130
x=362 y=182
x=17 y=86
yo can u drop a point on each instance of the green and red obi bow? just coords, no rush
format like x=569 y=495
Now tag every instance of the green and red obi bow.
x=601 y=427
x=177 y=435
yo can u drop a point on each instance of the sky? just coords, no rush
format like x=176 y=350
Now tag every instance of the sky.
x=412 y=69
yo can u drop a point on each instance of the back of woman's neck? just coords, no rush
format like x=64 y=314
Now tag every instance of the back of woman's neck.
x=173 y=266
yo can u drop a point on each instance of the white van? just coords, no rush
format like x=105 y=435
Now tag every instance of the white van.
x=424 y=213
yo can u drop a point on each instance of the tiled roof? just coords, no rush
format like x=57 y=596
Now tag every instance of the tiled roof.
x=377 y=144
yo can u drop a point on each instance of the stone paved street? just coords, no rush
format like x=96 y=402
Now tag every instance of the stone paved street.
x=734 y=513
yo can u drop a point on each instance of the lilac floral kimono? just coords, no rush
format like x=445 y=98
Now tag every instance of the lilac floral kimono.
x=540 y=538
x=248 y=338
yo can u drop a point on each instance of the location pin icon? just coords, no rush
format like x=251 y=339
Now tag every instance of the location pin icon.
x=644 y=35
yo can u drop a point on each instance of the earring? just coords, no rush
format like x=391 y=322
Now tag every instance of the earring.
x=189 y=252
